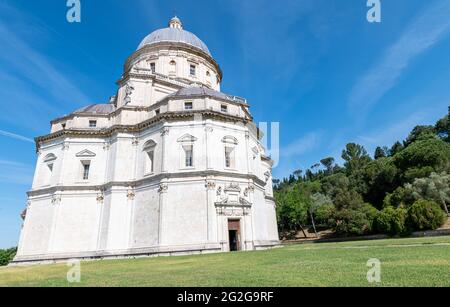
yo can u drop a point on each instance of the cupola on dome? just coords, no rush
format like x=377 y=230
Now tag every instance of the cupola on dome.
x=175 y=34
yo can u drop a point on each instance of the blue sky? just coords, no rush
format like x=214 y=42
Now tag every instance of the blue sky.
x=316 y=66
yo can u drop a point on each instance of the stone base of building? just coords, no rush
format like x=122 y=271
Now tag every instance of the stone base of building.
x=184 y=250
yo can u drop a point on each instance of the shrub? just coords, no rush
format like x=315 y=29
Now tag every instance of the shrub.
x=392 y=221
x=355 y=221
x=7 y=255
x=324 y=213
x=425 y=215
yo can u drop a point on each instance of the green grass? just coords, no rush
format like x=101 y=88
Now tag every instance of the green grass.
x=405 y=262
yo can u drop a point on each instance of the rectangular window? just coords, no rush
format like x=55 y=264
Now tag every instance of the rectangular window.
x=63 y=126
x=224 y=108
x=153 y=66
x=93 y=124
x=189 y=155
x=229 y=157
x=157 y=112
x=149 y=163
x=86 y=169
x=188 y=106
x=193 y=70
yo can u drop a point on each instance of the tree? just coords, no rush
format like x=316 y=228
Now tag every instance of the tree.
x=423 y=157
x=322 y=207
x=379 y=153
x=298 y=173
x=420 y=133
x=435 y=188
x=328 y=163
x=380 y=177
x=442 y=127
x=395 y=149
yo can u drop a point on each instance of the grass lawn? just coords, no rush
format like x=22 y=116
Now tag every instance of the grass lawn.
x=404 y=262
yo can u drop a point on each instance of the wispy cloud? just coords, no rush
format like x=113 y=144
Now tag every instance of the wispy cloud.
x=15 y=136
x=427 y=30
x=34 y=86
x=12 y=172
x=301 y=145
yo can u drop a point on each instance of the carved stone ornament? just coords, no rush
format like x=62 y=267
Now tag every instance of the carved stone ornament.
x=131 y=194
x=163 y=188
x=165 y=131
x=56 y=199
x=233 y=187
x=100 y=197
x=128 y=91
x=210 y=185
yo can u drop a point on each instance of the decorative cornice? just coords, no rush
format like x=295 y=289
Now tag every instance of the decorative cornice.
x=150 y=180
x=163 y=117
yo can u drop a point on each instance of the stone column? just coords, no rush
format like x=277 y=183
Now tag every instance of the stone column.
x=208 y=131
x=211 y=228
x=163 y=188
x=164 y=133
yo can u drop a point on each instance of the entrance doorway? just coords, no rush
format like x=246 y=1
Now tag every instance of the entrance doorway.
x=234 y=235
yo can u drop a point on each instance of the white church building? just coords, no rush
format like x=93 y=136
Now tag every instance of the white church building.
x=171 y=165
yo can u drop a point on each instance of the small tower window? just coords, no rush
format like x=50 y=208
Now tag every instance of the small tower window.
x=63 y=125
x=157 y=112
x=193 y=70
x=224 y=108
x=188 y=106
x=86 y=169
x=153 y=66
x=172 y=68
x=92 y=124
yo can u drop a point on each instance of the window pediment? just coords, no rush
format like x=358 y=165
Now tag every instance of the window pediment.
x=230 y=140
x=49 y=158
x=149 y=145
x=187 y=138
x=85 y=154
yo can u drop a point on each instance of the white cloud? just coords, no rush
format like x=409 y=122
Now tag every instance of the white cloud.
x=16 y=136
x=301 y=145
x=427 y=30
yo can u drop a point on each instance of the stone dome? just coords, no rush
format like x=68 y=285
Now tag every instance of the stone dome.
x=175 y=34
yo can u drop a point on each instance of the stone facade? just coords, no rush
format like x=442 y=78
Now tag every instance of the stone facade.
x=159 y=170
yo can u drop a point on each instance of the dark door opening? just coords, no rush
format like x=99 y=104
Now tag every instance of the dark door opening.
x=233 y=240
x=234 y=235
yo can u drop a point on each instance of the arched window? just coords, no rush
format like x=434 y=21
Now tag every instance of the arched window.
x=172 y=68
x=149 y=157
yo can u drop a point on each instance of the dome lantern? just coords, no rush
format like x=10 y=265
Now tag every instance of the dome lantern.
x=175 y=23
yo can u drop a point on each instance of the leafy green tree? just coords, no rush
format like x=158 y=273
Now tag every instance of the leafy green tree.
x=292 y=209
x=435 y=188
x=328 y=163
x=442 y=127
x=379 y=153
x=420 y=133
x=395 y=149
x=423 y=157
x=380 y=177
